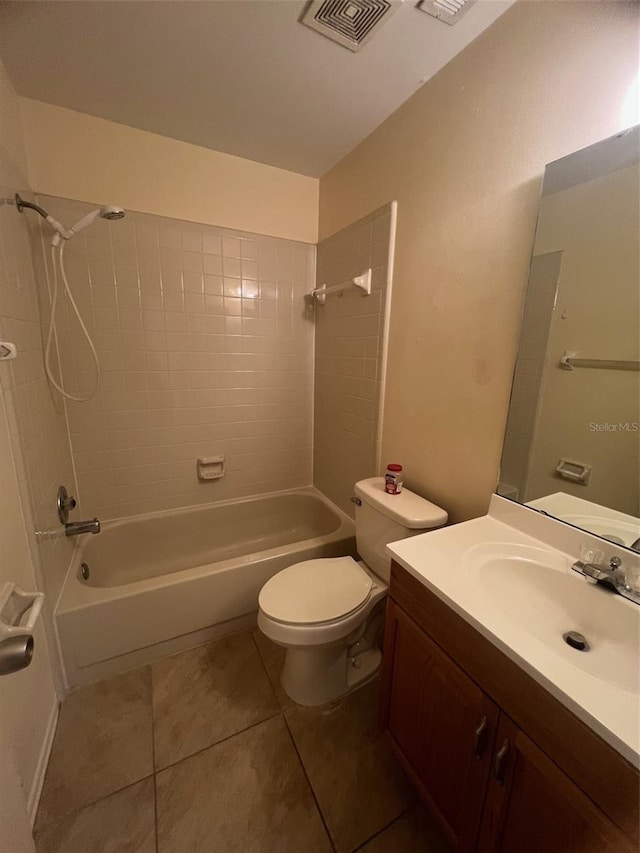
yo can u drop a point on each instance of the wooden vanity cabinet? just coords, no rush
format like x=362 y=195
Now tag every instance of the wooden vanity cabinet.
x=463 y=724
x=533 y=807
x=444 y=727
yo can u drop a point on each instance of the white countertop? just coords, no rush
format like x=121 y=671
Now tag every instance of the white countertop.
x=441 y=561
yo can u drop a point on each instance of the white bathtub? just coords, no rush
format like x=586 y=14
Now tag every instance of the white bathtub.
x=164 y=582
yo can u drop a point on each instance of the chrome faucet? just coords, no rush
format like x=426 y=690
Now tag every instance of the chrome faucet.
x=75 y=528
x=612 y=576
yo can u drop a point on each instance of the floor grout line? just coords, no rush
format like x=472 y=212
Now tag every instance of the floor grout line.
x=270 y=716
x=55 y=819
x=153 y=755
x=155 y=811
x=382 y=830
x=218 y=742
x=266 y=669
x=280 y=711
x=306 y=776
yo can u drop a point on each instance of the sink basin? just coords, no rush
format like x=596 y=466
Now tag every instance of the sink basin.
x=538 y=593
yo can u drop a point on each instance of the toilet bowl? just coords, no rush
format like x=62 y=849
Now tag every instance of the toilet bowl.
x=328 y=613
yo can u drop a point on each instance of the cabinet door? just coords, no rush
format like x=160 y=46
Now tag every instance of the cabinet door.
x=532 y=806
x=442 y=725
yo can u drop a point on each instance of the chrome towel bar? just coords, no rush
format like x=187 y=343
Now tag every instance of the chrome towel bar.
x=570 y=360
x=362 y=281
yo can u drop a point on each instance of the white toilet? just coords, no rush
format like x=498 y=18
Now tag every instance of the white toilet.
x=324 y=611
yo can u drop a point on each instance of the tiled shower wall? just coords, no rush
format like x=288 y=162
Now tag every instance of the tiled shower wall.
x=206 y=348
x=349 y=347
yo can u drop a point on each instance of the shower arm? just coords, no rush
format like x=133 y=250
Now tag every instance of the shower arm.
x=60 y=230
x=21 y=204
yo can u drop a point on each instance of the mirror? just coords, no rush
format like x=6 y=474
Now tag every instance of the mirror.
x=572 y=441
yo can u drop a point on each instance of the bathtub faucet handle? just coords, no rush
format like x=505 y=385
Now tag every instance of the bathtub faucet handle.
x=65 y=503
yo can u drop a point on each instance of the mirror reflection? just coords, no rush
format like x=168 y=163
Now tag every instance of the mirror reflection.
x=572 y=442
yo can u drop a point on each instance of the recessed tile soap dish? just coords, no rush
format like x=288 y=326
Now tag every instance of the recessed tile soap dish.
x=210 y=467
x=19 y=610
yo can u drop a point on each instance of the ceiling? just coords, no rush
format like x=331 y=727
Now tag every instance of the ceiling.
x=240 y=76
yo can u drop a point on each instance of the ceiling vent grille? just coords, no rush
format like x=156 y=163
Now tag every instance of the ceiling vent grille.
x=350 y=23
x=447 y=11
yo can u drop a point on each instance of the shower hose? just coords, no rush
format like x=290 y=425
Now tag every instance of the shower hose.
x=54 y=301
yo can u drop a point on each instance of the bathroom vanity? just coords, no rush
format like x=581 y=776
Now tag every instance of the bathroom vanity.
x=512 y=743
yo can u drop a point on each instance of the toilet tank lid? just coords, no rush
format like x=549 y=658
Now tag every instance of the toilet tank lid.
x=407 y=508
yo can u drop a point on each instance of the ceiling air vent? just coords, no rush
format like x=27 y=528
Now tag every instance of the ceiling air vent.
x=448 y=11
x=350 y=23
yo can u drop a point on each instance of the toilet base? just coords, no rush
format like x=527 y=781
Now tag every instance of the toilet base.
x=315 y=676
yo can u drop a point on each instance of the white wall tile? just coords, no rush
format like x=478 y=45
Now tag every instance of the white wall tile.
x=348 y=355
x=201 y=354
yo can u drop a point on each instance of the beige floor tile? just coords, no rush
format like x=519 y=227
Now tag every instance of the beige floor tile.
x=358 y=783
x=273 y=660
x=206 y=694
x=124 y=822
x=415 y=832
x=103 y=742
x=245 y=795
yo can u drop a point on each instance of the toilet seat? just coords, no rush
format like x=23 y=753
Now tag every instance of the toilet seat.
x=316 y=591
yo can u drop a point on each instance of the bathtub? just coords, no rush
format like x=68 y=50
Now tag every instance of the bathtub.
x=167 y=581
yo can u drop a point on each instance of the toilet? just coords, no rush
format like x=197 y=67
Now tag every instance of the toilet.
x=328 y=613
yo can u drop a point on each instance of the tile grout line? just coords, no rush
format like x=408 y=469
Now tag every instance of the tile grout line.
x=295 y=746
x=59 y=818
x=155 y=811
x=218 y=742
x=62 y=817
x=382 y=830
x=153 y=756
x=308 y=780
x=233 y=734
x=264 y=667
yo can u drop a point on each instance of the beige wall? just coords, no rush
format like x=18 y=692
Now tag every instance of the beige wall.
x=349 y=356
x=77 y=156
x=206 y=349
x=34 y=456
x=596 y=225
x=464 y=158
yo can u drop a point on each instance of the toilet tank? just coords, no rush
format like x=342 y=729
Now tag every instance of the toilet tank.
x=382 y=518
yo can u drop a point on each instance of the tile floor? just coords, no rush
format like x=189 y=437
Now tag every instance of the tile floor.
x=203 y=752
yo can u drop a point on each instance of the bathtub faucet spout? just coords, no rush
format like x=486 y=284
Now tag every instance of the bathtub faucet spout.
x=74 y=528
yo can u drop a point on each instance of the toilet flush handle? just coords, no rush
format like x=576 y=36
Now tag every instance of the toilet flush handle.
x=356 y=501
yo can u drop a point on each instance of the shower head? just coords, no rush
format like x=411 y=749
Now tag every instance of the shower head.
x=110 y=211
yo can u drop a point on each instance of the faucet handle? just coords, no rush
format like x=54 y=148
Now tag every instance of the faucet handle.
x=64 y=503
x=589 y=554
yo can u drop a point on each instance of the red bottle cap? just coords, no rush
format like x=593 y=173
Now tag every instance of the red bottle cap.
x=394 y=467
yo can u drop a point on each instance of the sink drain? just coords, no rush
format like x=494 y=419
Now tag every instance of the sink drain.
x=576 y=641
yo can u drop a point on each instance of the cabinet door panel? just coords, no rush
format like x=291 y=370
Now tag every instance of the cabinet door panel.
x=532 y=806
x=443 y=725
